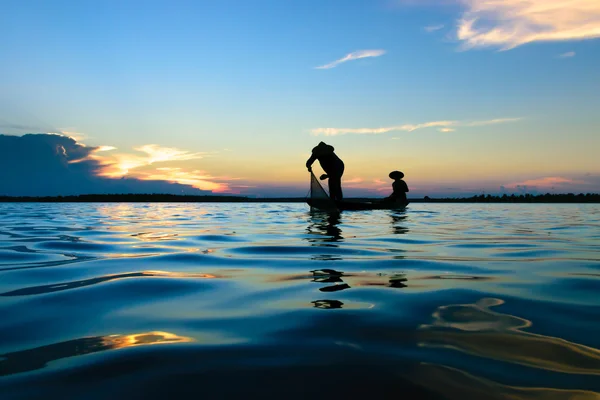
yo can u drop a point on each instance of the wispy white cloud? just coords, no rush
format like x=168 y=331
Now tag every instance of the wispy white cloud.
x=444 y=126
x=353 y=56
x=568 y=54
x=506 y=24
x=491 y=121
x=376 y=131
x=423 y=3
x=433 y=28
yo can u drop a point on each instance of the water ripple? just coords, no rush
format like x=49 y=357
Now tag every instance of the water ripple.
x=438 y=301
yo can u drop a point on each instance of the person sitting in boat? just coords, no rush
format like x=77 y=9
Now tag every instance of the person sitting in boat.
x=332 y=165
x=400 y=188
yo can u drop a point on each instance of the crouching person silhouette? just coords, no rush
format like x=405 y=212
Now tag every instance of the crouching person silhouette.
x=399 y=187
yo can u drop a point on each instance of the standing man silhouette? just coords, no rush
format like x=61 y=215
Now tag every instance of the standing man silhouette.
x=332 y=165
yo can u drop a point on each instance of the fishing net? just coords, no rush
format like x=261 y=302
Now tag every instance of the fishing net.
x=319 y=199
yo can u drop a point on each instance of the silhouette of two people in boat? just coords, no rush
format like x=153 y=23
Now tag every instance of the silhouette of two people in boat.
x=334 y=169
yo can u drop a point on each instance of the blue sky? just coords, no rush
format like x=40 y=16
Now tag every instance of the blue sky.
x=236 y=81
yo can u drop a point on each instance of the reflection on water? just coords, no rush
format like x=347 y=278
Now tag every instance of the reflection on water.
x=329 y=276
x=398 y=220
x=439 y=301
x=153 y=236
x=334 y=288
x=453 y=383
x=327 y=304
x=323 y=227
x=476 y=329
x=28 y=360
x=93 y=281
x=398 y=281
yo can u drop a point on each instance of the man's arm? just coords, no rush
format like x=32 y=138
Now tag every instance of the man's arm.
x=310 y=162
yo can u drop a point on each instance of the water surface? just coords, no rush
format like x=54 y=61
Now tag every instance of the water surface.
x=228 y=300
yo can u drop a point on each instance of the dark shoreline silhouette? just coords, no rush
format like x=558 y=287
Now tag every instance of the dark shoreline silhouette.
x=522 y=198
x=172 y=198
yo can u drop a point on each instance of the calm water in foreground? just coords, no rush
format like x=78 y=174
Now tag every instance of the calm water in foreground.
x=137 y=301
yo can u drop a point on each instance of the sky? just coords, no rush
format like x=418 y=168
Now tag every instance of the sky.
x=464 y=96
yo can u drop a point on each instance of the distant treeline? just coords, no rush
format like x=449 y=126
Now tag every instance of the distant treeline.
x=142 y=198
x=175 y=198
x=523 y=198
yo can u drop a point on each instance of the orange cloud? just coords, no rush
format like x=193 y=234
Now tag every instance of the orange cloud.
x=546 y=182
x=105 y=148
x=511 y=23
x=126 y=164
x=197 y=179
x=353 y=180
x=118 y=165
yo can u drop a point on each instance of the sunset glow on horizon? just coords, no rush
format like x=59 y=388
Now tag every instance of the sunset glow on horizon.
x=463 y=96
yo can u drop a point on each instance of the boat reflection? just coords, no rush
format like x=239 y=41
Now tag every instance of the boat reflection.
x=398 y=219
x=327 y=304
x=335 y=288
x=339 y=278
x=323 y=227
x=329 y=276
x=397 y=281
x=326 y=275
x=327 y=279
x=39 y=357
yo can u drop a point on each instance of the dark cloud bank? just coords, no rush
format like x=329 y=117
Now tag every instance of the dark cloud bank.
x=39 y=165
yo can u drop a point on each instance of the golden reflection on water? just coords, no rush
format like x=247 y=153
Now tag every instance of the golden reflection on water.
x=138 y=339
x=180 y=274
x=32 y=290
x=155 y=236
x=38 y=357
x=475 y=329
x=142 y=221
x=456 y=384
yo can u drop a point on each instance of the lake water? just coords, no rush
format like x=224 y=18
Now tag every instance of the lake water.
x=138 y=301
